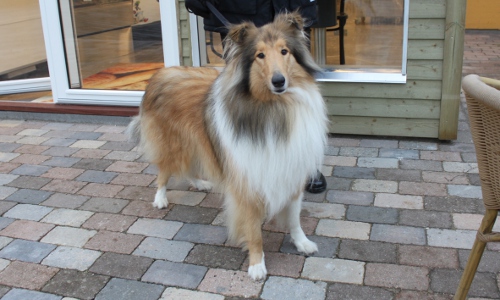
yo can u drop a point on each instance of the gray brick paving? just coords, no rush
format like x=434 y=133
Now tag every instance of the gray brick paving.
x=176 y=274
x=97 y=176
x=28 y=212
x=368 y=251
x=28 y=251
x=121 y=265
x=350 y=291
x=205 y=234
x=61 y=162
x=158 y=248
x=30 y=170
x=200 y=215
x=372 y=214
x=109 y=205
x=216 y=257
x=29 y=196
x=124 y=289
x=29 y=182
x=156 y=228
x=71 y=258
x=76 y=284
x=16 y=294
x=398 y=234
x=286 y=288
x=77 y=221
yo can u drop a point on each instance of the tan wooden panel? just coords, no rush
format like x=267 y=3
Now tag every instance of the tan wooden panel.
x=376 y=107
x=425 y=69
x=427 y=29
x=18 y=11
x=432 y=9
x=384 y=126
x=413 y=89
x=425 y=49
x=23 y=45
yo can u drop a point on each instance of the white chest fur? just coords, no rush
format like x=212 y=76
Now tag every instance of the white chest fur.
x=276 y=170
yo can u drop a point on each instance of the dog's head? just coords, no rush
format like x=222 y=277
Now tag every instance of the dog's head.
x=273 y=57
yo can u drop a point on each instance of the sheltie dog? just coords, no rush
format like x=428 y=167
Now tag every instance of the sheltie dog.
x=257 y=130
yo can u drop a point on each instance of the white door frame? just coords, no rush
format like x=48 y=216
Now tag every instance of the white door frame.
x=54 y=43
x=24 y=85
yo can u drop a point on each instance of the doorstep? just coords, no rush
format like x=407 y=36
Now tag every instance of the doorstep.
x=118 y=111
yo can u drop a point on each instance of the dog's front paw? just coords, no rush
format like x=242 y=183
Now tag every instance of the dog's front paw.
x=160 y=199
x=258 y=271
x=306 y=246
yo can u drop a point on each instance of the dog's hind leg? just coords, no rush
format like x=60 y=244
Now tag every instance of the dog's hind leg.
x=161 y=193
x=200 y=185
x=299 y=238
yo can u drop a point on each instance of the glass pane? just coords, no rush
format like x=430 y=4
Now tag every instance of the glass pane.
x=373 y=37
x=112 y=44
x=22 y=55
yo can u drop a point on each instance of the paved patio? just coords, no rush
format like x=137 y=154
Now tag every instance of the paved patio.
x=397 y=221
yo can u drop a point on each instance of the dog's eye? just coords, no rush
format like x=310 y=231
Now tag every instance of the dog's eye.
x=261 y=55
x=284 y=52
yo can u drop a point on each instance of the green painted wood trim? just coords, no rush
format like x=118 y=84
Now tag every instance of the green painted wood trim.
x=384 y=126
x=452 y=68
x=387 y=108
x=427 y=9
x=413 y=89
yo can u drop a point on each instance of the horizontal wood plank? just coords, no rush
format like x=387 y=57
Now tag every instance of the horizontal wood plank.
x=428 y=9
x=425 y=69
x=413 y=89
x=426 y=29
x=384 y=126
x=425 y=49
x=389 y=108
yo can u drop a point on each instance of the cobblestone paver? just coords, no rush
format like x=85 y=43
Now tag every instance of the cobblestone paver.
x=397 y=221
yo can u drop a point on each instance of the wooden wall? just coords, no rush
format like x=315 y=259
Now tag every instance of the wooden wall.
x=427 y=105
x=414 y=109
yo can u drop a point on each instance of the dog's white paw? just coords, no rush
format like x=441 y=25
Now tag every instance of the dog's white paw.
x=306 y=246
x=258 y=271
x=201 y=185
x=160 y=199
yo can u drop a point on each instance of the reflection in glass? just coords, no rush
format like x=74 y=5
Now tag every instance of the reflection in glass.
x=112 y=44
x=373 y=35
x=373 y=38
x=22 y=55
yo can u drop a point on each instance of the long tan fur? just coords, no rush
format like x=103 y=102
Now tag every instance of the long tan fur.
x=257 y=130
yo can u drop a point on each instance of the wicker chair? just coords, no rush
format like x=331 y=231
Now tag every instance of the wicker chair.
x=483 y=104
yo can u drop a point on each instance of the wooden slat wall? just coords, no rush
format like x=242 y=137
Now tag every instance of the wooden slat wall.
x=412 y=109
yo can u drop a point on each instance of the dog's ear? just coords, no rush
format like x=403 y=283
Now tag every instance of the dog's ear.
x=291 y=18
x=239 y=32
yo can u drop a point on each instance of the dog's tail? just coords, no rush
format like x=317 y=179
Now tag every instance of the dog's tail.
x=134 y=129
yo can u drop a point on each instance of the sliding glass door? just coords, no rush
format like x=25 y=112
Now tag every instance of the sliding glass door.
x=23 y=62
x=104 y=51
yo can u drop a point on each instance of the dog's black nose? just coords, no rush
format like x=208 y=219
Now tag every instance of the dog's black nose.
x=278 y=80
